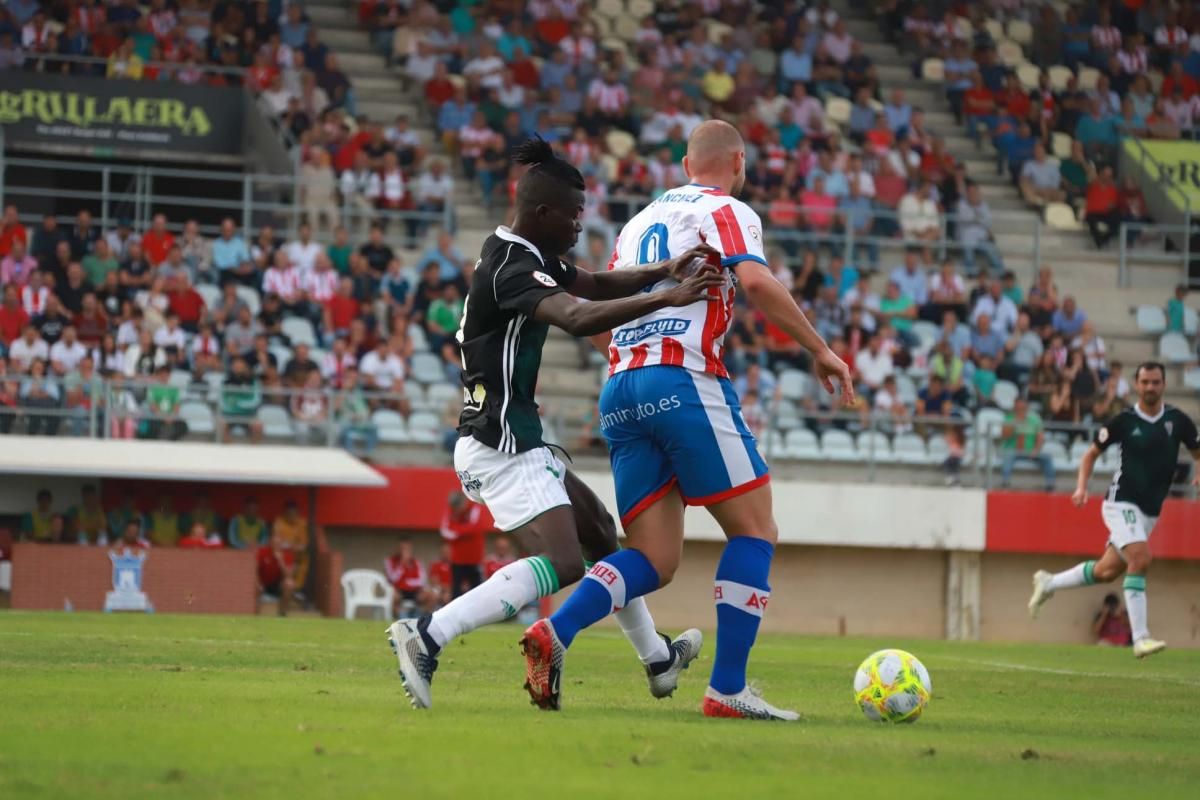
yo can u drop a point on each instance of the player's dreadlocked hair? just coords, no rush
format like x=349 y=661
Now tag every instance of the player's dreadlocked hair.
x=547 y=173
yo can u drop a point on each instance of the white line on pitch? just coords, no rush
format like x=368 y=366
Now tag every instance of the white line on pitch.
x=1007 y=665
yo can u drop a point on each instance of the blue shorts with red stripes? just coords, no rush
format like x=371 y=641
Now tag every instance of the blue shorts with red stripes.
x=668 y=426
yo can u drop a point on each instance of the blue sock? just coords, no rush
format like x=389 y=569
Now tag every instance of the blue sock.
x=741 y=593
x=611 y=583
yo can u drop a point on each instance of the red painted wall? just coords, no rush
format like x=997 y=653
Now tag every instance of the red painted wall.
x=1025 y=522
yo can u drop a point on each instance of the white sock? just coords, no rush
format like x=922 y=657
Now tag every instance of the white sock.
x=638 y=627
x=1078 y=575
x=498 y=598
x=1135 y=604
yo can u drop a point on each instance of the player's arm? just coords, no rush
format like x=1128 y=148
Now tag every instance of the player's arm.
x=1107 y=434
x=617 y=283
x=773 y=299
x=588 y=319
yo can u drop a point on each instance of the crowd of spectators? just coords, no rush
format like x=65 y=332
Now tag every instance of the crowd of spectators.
x=1094 y=74
x=262 y=44
x=262 y=320
x=622 y=109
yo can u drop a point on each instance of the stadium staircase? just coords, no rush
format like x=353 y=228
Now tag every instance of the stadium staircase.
x=569 y=383
x=1090 y=275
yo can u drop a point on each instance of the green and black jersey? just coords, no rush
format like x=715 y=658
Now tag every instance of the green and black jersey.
x=1149 y=454
x=502 y=343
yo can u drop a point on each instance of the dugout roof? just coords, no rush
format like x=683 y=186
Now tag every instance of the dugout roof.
x=184 y=461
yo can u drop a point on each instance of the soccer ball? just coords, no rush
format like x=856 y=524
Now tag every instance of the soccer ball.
x=892 y=686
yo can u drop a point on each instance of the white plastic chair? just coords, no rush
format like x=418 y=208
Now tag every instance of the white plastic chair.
x=1005 y=394
x=838 y=109
x=838 y=445
x=390 y=426
x=1020 y=31
x=909 y=448
x=427 y=368
x=1173 y=348
x=1088 y=78
x=802 y=443
x=933 y=69
x=367 y=588
x=990 y=421
x=1059 y=454
x=794 y=384
x=423 y=427
x=1191 y=320
x=883 y=448
x=299 y=330
x=1151 y=320
x=1061 y=217
x=250 y=298
x=210 y=294
x=440 y=394
x=1060 y=144
x=1191 y=378
x=275 y=421
x=197 y=416
x=1059 y=77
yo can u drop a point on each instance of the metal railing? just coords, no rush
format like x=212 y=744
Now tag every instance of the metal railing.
x=1128 y=238
x=138 y=192
x=123 y=408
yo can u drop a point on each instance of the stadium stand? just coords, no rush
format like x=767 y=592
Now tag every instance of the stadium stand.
x=883 y=210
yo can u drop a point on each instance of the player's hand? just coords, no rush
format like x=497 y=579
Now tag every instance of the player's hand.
x=701 y=257
x=1079 y=497
x=832 y=370
x=696 y=288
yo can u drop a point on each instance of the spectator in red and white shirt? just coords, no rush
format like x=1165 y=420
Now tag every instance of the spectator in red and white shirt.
x=473 y=139
x=13 y=318
x=393 y=194
x=579 y=47
x=1132 y=57
x=17 y=265
x=11 y=231
x=407 y=575
x=283 y=279
x=303 y=251
x=1106 y=37
x=321 y=282
x=34 y=295
x=610 y=94
x=336 y=361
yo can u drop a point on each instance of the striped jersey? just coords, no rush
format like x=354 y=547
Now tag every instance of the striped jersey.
x=693 y=336
x=501 y=342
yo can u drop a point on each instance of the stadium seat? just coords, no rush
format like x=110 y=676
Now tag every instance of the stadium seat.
x=416 y=334
x=1005 y=393
x=1151 y=320
x=994 y=28
x=1061 y=217
x=197 y=416
x=906 y=389
x=1173 y=348
x=876 y=443
x=933 y=69
x=423 y=427
x=282 y=356
x=1059 y=76
x=638 y=9
x=1190 y=320
x=1020 y=32
x=1191 y=378
x=785 y=416
x=837 y=109
x=427 y=368
x=837 y=445
x=927 y=334
x=938 y=450
x=180 y=378
x=1029 y=75
x=367 y=588
x=802 y=443
x=620 y=143
x=794 y=384
x=990 y=420
x=772 y=444
x=1110 y=462
x=1058 y=452
x=299 y=330
x=610 y=165
x=625 y=28
x=441 y=394
x=275 y=422
x=1088 y=78
x=610 y=9
x=716 y=30
x=1078 y=448
x=215 y=381
x=1060 y=144
x=1010 y=53
x=390 y=425
x=250 y=298
x=909 y=448
x=210 y=294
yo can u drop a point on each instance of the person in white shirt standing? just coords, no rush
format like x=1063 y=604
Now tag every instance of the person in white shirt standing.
x=303 y=251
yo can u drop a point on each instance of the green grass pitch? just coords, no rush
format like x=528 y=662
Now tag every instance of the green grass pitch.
x=95 y=706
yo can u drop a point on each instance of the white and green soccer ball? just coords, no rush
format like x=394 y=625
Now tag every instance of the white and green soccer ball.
x=892 y=686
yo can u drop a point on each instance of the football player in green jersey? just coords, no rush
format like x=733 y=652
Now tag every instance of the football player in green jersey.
x=1149 y=435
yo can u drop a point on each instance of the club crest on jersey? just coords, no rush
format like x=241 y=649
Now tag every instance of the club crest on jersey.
x=658 y=327
x=1170 y=426
x=544 y=279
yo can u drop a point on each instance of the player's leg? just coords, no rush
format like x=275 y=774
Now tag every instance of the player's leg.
x=1137 y=561
x=663 y=658
x=526 y=496
x=719 y=467
x=1105 y=569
